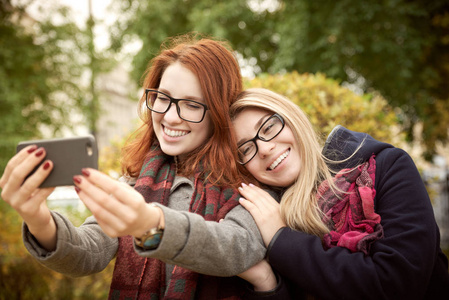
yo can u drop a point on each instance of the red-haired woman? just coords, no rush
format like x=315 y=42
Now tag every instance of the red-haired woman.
x=181 y=189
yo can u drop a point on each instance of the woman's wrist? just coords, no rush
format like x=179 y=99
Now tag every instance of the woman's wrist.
x=45 y=235
x=151 y=238
x=161 y=217
x=266 y=285
x=153 y=219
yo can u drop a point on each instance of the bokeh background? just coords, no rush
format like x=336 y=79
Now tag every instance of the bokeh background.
x=74 y=67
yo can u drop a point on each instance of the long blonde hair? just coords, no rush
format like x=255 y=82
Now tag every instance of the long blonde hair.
x=299 y=205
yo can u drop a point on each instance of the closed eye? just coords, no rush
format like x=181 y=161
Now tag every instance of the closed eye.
x=163 y=98
x=246 y=148
x=193 y=106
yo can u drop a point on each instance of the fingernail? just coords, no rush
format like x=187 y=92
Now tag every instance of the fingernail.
x=85 y=172
x=32 y=149
x=77 y=179
x=46 y=165
x=40 y=152
x=244 y=184
x=77 y=189
x=251 y=184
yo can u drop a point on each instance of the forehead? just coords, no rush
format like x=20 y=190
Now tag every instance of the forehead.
x=248 y=121
x=180 y=82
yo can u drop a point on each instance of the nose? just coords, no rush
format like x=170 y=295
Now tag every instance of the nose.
x=265 y=148
x=171 y=116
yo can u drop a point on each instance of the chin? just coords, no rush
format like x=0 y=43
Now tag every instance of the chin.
x=169 y=151
x=282 y=183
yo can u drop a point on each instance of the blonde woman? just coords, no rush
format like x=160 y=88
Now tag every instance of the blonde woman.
x=354 y=220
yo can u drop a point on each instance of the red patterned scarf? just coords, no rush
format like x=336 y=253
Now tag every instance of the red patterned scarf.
x=351 y=215
x=137 y=277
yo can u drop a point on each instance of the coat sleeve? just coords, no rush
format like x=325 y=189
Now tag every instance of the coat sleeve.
x=219 y=249
x=79 y=251
x=399 y=266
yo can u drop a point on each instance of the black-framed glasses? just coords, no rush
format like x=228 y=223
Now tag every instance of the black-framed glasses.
x=188 y=110
x=267 y=131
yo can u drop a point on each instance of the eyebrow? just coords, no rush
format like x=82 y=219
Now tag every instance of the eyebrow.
x=256 y=126
x=194 y=98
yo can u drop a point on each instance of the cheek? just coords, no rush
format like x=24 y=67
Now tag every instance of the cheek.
x=156 y=118
x=208 y=127
x=253 y=169
x=200 y=133
x=297 y=169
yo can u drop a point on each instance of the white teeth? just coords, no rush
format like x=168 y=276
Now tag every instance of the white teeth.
x=174 y=133
x=278 y=161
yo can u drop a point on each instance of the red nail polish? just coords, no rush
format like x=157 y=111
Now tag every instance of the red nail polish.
x=77 y=179
x=77 y=189
x=46 y=165
x=32 y=149
x=40 y=152
x=85 y=172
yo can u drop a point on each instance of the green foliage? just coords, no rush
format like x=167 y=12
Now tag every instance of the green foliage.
x=399 y=48
x=152 y=21
x=41 y=76
x=32 y=77
x=22 y=277
x=395 y=47
x=109 y=160
x=24 y=91
x=328 y=104
x=16 y=279
x=40 y=86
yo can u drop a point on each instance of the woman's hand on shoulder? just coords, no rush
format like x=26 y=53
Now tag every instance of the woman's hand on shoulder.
x=119 y=209
x=264 y=209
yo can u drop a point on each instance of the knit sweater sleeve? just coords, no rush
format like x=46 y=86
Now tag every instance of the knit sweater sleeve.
x=79 y=251
x=399 y=266
x=219 y=249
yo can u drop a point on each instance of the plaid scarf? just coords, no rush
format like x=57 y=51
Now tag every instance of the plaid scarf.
x=137 y=277
x=351 y=214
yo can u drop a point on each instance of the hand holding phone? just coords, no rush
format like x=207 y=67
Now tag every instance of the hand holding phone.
x=69 y=156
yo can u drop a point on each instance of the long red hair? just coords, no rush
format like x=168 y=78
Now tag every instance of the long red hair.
x=219 y=75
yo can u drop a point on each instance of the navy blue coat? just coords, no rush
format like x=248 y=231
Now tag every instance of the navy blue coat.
x=406 y=264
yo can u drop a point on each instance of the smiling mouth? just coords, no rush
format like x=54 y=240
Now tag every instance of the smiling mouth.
x=279 y=160
x=175 y=133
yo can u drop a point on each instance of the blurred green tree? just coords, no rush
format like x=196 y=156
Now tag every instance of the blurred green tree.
x=22 y=277
x=397 y=47
x=42 y=69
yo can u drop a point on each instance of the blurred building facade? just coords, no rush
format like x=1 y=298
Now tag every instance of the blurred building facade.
x=435 y=175
x=436 y=179
x=118 y=106
x=117 y=119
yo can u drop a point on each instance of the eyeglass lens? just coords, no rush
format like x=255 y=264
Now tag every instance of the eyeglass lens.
x=267 y=131
x=188 y=110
